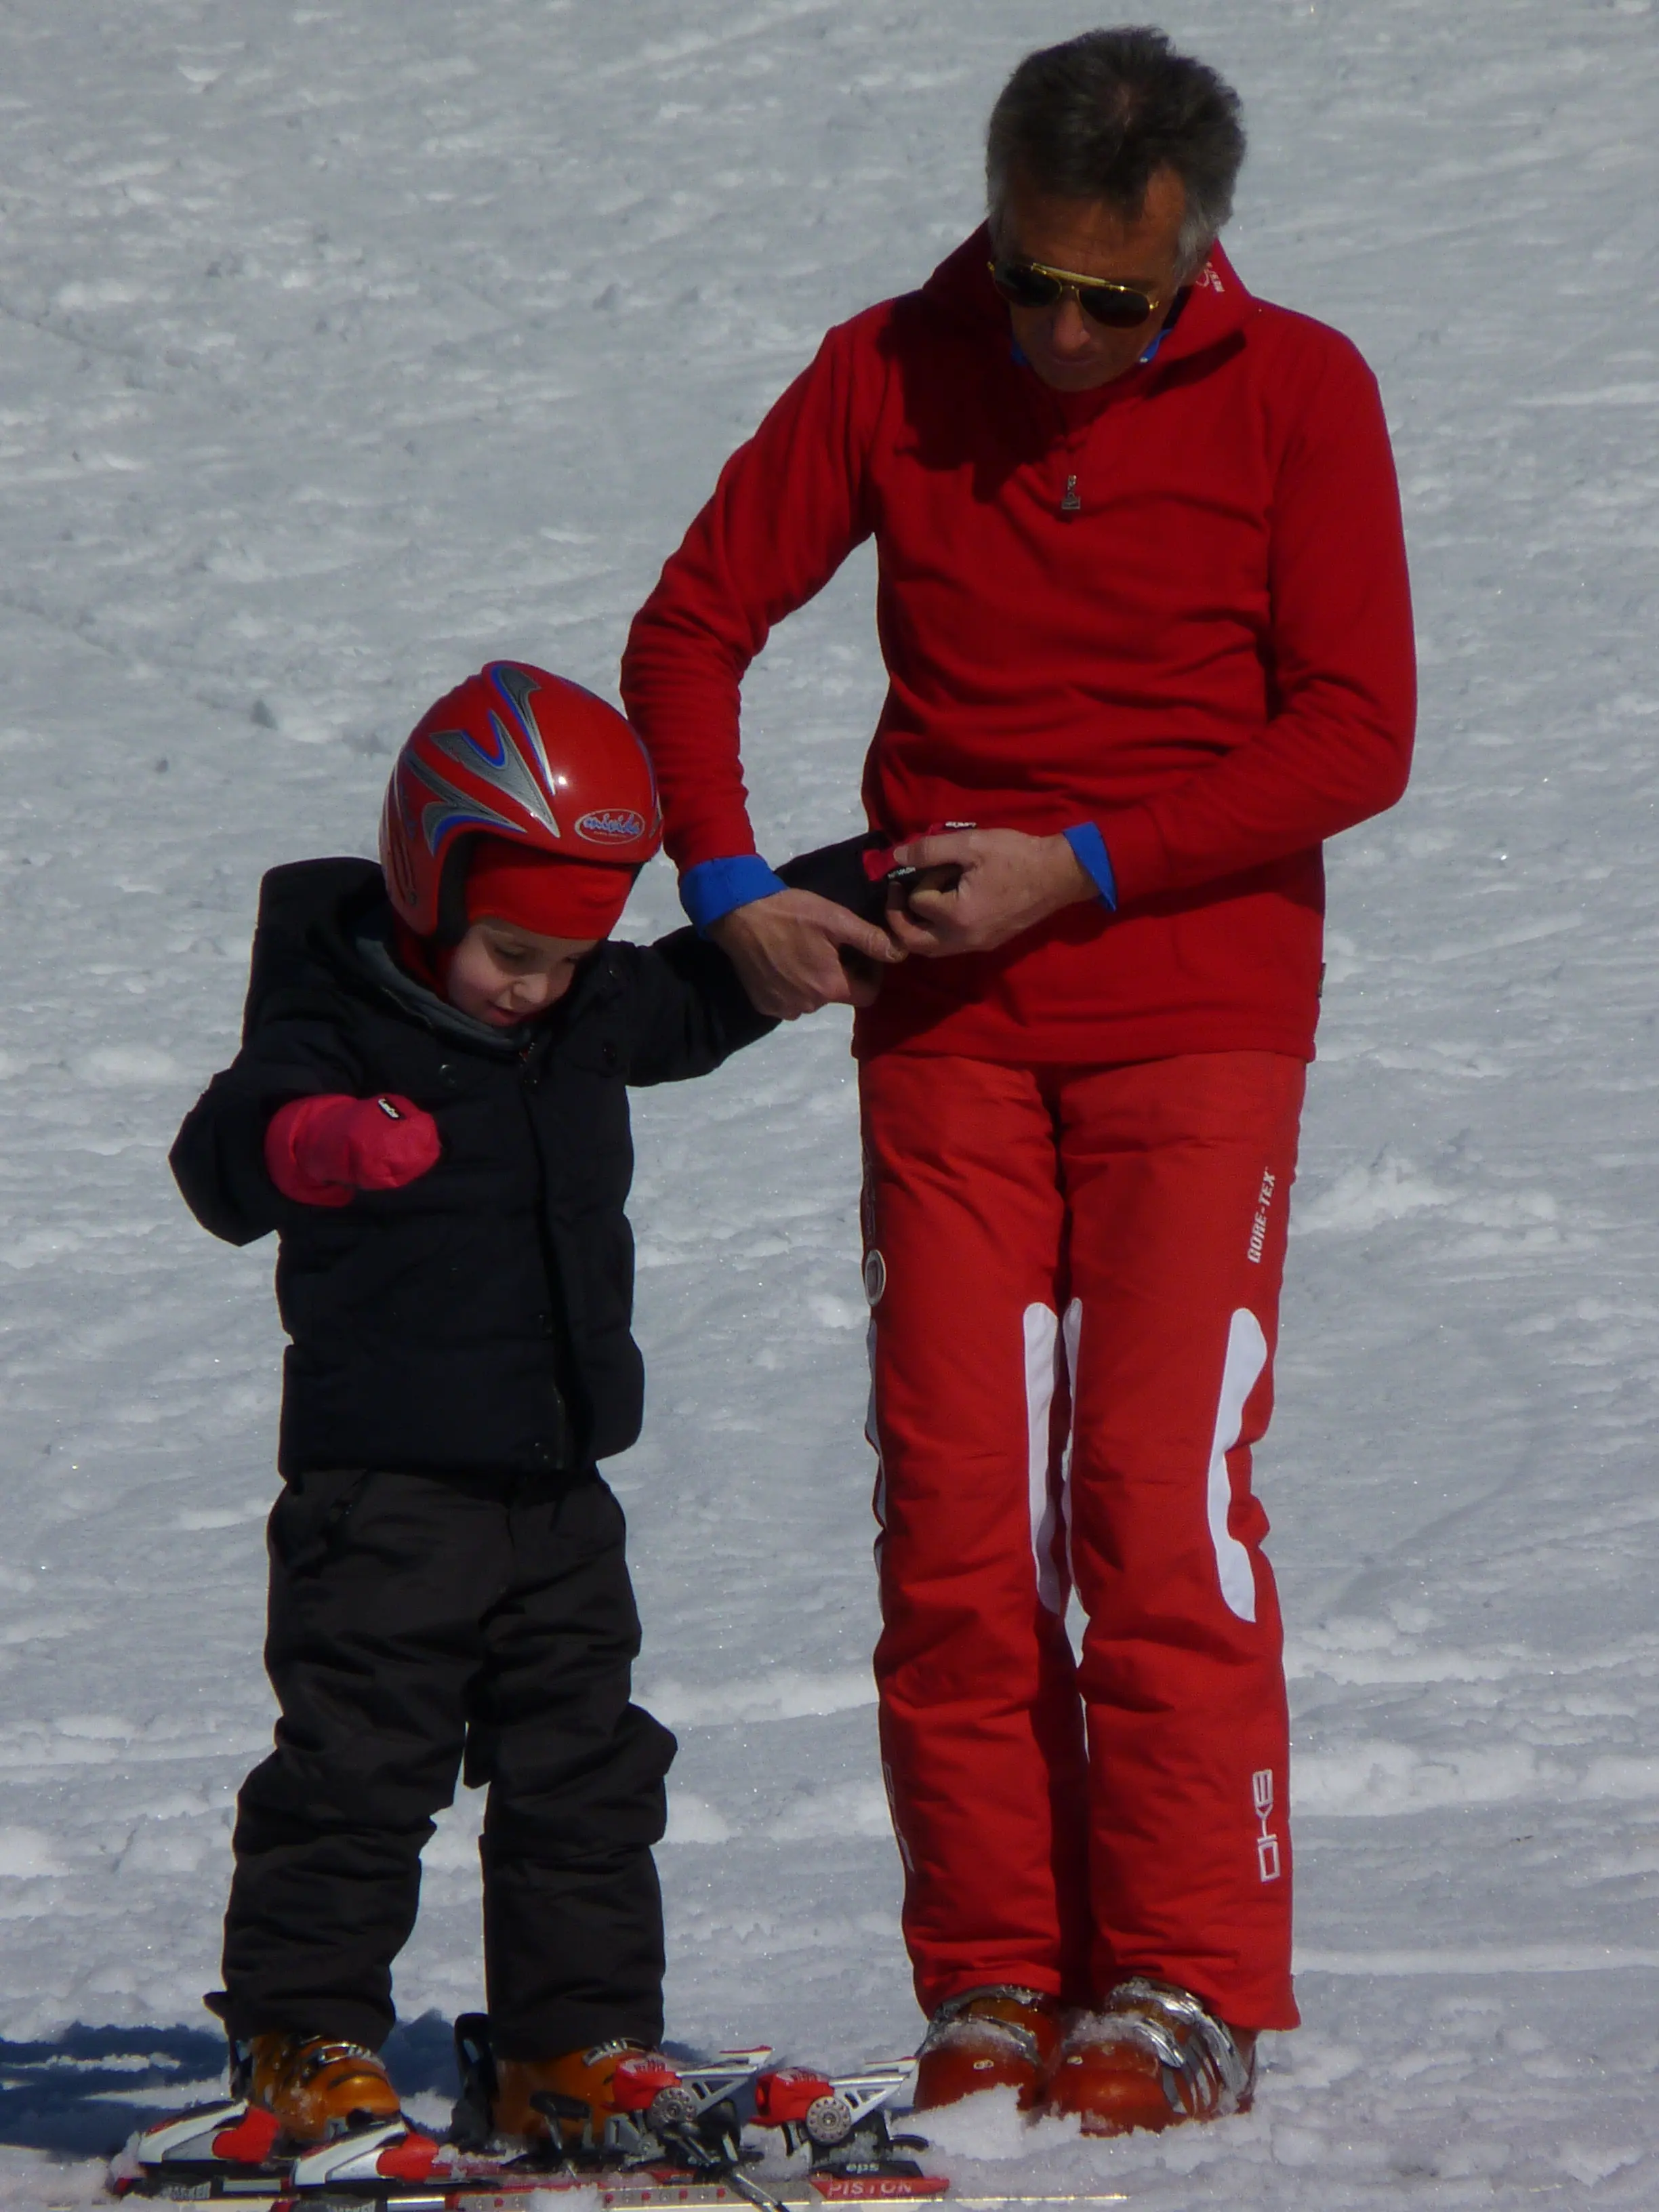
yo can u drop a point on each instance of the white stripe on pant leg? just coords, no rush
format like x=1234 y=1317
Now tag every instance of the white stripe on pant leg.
x=872 y=1435
x=1041 y=1347
x=1071 y=1332
x=1247 y=1355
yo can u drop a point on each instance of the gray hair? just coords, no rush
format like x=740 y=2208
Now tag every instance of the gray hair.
x=1096 y=118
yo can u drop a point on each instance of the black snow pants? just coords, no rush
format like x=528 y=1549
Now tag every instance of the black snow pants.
x=416 y=1624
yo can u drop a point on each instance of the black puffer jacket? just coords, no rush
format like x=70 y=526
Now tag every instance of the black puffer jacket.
x=479 y=1318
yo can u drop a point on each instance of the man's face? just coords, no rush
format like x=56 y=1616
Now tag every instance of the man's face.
x=1068 y=350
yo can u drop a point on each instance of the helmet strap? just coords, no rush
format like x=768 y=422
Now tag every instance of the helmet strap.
x=452 y=924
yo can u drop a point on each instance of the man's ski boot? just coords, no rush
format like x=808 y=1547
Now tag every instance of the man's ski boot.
x=1153 y=2056
x=995 y=2038
x=315 y=2087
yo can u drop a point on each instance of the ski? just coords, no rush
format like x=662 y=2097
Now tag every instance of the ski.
x=699 y=2145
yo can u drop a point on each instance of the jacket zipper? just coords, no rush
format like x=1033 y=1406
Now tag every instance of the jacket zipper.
x=1075 y=438
x=1071 y=499
x=533 y=1065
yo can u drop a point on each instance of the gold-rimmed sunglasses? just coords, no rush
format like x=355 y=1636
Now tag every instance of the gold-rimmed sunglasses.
x=1035 y=284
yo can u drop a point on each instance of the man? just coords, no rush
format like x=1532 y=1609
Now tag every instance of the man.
x=1143 y=603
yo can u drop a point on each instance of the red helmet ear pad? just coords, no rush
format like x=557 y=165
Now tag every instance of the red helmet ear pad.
x=521 y=755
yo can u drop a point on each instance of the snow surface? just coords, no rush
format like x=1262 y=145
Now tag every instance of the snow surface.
x=342 y=345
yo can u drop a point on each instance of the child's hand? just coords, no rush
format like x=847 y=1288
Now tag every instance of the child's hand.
x=321 y=1151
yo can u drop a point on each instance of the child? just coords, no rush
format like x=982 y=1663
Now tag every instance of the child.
x=429 y=1108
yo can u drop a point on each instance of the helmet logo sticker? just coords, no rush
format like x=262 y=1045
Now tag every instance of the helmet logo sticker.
x=611 y=825
x=506 y=770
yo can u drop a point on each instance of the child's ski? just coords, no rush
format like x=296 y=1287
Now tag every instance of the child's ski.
x=704 y=2152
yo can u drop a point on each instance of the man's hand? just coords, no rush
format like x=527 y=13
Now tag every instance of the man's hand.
x=1008 y=883
x=787 y=951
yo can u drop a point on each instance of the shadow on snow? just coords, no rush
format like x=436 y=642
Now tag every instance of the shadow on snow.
x=82 y=2094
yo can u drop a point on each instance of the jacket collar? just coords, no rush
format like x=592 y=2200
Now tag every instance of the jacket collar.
x=350 y=928
x=373 y=946
x=1214 y=305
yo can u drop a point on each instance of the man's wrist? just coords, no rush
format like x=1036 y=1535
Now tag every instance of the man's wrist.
x=713 y=889
x=1089 y=849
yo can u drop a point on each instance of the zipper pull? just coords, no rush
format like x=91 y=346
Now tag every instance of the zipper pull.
x=1070 y=503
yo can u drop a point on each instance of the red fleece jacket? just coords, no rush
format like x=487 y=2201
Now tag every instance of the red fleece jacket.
x=1211 y=657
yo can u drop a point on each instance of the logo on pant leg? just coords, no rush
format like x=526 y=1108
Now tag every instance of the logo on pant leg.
x=1264 y=1199
x=875 y=1276
x=1267 y=1845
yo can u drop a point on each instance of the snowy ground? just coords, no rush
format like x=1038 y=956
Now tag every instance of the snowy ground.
x=341 y=345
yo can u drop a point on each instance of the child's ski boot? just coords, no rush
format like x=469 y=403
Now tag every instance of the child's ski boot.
x=315 y=2087
x=616 y=2102
x=581 y=2095
x=296 y=2103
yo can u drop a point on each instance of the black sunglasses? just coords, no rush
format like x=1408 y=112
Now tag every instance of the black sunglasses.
x=1035 y=284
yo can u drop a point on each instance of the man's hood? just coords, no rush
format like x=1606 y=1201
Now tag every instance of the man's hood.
x=1215 y=304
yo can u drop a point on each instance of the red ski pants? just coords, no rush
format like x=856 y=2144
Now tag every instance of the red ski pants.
x=1074 y=1280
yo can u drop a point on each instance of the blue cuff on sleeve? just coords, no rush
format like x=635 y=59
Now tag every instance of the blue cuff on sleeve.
x=714 y=888
x=1086 y=841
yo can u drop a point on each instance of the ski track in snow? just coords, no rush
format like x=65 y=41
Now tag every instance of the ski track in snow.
x=344 y=344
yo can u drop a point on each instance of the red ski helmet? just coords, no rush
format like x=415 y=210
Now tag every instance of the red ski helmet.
x=517 y=754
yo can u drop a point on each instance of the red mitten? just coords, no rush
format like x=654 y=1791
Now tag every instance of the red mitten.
x=321 y=1151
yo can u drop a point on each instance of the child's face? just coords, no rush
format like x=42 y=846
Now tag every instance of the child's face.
x=503 y=975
